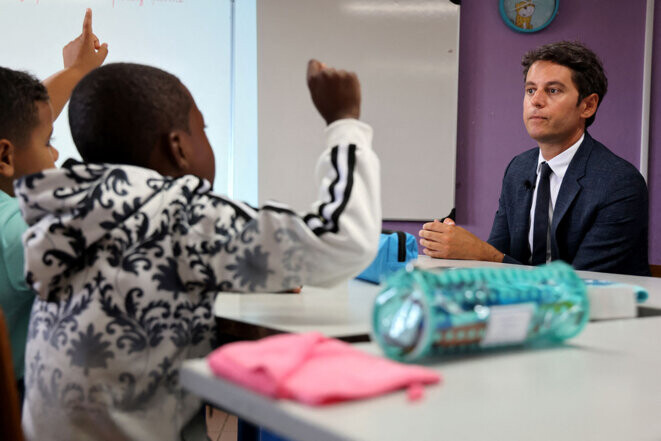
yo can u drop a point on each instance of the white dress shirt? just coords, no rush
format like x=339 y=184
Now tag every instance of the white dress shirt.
x=558 y=165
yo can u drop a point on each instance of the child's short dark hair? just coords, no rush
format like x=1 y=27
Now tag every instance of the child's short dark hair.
x=19 y=93
x=118 y=112
x=587 y=71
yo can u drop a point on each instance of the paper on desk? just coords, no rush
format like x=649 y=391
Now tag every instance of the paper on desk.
x=610 y=300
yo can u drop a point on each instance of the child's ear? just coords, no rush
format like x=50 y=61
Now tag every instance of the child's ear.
x=178 y=150
x=6 y=158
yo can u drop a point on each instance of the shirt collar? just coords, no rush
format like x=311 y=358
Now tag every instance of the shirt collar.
x=560 y=163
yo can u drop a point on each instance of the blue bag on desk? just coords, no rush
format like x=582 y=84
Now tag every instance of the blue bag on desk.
x=396 y=248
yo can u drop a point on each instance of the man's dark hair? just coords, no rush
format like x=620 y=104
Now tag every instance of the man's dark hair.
x=119 y=112
x=587 y=71
x=19 y=93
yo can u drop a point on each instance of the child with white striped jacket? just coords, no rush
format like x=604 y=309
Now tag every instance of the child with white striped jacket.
x=127 y=250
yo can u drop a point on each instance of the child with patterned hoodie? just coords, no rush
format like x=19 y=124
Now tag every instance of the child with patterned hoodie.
x=127 y=250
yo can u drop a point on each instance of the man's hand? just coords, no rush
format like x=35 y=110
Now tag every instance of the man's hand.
x=445 y=240
x=85 y=52
x=335 y=93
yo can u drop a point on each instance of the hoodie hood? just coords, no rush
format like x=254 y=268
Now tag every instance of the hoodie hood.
x=69 y=211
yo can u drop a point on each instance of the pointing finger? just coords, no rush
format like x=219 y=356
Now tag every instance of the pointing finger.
x=87 y=22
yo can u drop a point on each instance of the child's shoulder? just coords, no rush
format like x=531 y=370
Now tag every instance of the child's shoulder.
x=12 y=227
x=12 y=224
x=87 y=190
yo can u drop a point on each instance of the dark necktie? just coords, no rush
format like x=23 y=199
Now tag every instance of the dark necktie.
x=541 y=221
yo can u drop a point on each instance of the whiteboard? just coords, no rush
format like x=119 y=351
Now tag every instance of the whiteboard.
x=188 y=38
x=405 y=54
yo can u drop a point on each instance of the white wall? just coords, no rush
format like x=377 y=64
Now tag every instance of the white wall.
x=190 y=39
x=406 y=56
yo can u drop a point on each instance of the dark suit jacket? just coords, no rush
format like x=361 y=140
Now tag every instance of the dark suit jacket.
x=599 y=220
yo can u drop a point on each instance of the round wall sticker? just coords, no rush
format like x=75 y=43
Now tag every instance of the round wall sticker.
x=528 y=15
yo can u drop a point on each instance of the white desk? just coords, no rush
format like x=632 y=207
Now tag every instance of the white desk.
x=345 y=310
x=602 y=385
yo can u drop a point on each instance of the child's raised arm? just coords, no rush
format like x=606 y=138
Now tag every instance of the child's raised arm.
x=80 y=56
x=335 y=93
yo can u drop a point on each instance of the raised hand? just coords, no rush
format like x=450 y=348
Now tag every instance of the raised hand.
x=85 y=52
x=80 y=56
x=335 y=93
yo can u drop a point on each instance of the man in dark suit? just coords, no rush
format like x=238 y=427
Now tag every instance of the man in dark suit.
x=594 y=204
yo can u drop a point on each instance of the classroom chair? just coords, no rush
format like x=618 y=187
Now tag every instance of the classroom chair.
x=10 y=417
x=655 y=270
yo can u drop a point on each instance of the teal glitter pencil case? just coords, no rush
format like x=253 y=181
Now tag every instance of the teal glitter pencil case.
x=425 y=313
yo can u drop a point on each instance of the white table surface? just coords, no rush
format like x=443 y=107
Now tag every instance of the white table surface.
x=339 y=312
x=602 y=385
x=345 y=311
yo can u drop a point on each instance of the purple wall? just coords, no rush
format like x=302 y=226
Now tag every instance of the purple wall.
x=408 y=227
x=490 y=129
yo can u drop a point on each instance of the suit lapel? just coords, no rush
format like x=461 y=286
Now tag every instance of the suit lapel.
x=569 y=189
x=524 y=194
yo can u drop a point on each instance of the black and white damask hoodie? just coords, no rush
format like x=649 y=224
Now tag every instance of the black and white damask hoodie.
x=126 y=264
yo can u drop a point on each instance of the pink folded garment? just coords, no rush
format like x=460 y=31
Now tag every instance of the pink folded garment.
x=314 y=369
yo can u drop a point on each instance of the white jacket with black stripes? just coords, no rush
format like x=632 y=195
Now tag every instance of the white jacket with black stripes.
x=126 y=264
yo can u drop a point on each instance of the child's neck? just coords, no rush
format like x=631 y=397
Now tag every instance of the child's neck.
x=7 y=185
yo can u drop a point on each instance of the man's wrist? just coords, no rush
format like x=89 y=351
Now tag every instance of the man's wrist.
x=491 y=254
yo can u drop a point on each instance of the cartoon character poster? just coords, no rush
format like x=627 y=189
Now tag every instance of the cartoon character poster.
x=528 y=15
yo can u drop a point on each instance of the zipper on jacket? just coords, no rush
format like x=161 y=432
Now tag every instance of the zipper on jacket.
x=401 y=244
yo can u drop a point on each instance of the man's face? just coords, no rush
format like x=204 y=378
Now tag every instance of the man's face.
x=37 y=154
x=202 y=162
x=550 y=110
